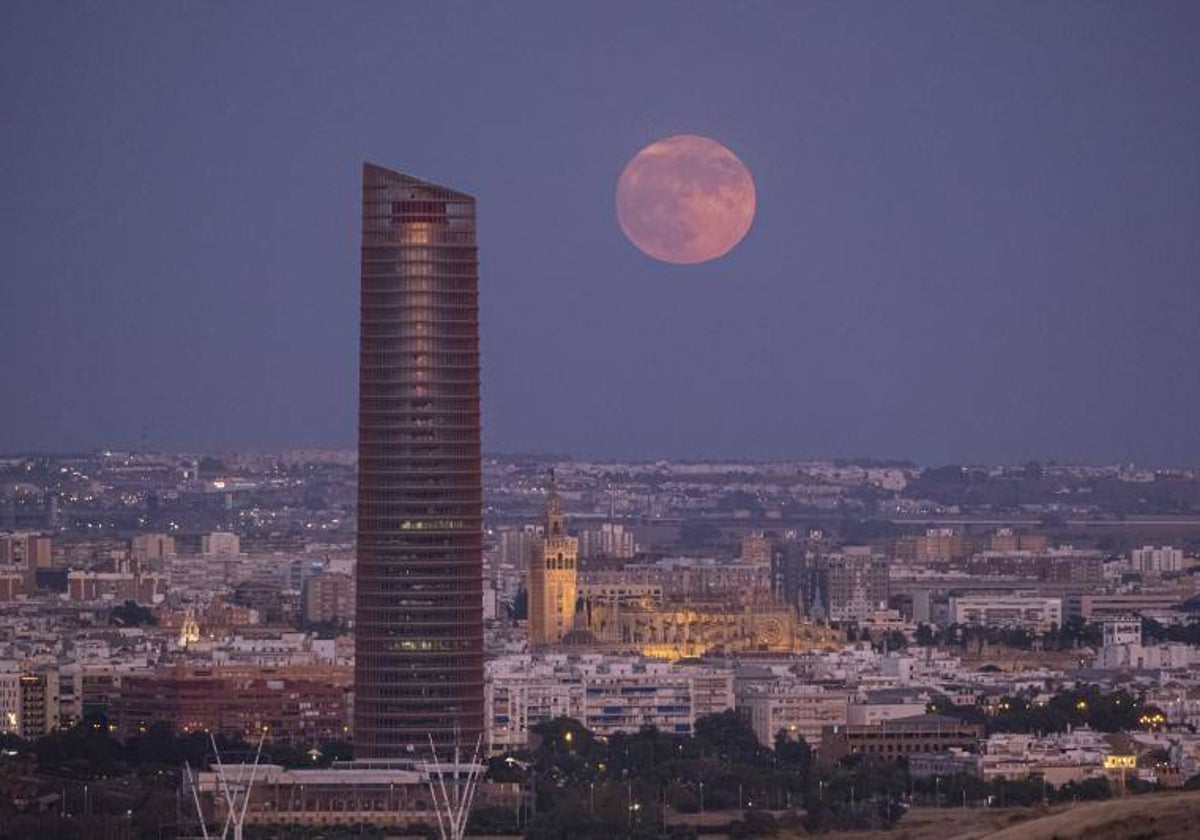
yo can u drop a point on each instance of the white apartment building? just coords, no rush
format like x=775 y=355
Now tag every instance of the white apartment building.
x=10 y=698
x=1149 y=559
x=871 y=708
x=1122 y=630
x=1058 y=757
x=1123 y=648
x=29 y=701
x=1028 y=611
x=1147 y=657
x=606 y=694
x=609 y=540
x=798 y=708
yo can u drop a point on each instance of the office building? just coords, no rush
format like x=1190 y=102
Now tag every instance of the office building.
x=25 y=552
x=1030 y=612
x=901 y=737
x=419 y=574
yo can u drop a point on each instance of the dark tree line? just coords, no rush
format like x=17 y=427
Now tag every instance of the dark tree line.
x=1075 y=632
x=1116 y=711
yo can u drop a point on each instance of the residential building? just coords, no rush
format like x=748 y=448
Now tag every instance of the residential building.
x=756 y=549
x=1151 y=560
x=39 y=704
x=24 y=552
x=152 y=550
x=938 y=545
x=799 y=709
x=220 y=544
x=609 y=540
x=848 y=586
x=307 y=705
x=328 y=597
x=607 y=694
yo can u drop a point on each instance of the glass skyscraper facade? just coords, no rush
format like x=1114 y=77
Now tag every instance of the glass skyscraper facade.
x=419 y=622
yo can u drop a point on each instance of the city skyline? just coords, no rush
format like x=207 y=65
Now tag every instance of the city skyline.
x=973 y=240
x=852 y=349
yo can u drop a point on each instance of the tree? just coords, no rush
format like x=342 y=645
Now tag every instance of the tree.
x=730 y=735
x=519 y=610
x=793 y=753
x=131 y=614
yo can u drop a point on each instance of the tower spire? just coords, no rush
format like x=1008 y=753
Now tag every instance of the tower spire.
x=554 y=511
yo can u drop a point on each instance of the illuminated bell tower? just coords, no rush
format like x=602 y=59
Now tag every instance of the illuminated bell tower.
x=552 y=577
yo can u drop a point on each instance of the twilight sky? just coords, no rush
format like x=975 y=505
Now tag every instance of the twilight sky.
x=977 y=235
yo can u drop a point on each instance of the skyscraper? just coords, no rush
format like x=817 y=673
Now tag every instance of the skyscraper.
x=419 y=624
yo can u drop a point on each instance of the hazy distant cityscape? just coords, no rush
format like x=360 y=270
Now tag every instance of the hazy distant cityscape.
x=984 y=624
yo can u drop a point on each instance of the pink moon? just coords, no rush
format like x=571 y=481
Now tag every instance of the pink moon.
x=685 y=199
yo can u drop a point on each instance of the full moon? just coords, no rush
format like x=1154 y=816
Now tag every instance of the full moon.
x=685 y=199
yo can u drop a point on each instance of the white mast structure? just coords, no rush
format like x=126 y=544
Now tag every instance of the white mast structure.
x=453 y=805
x=236 y=791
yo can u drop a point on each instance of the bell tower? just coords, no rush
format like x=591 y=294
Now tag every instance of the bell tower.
x=552 y=576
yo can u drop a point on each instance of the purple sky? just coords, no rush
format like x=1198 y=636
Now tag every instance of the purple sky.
x=977 y=237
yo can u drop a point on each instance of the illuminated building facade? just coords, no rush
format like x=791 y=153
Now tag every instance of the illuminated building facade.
x=606 y=693
x=677 y=631
x=419 y=625
x=552 y=578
